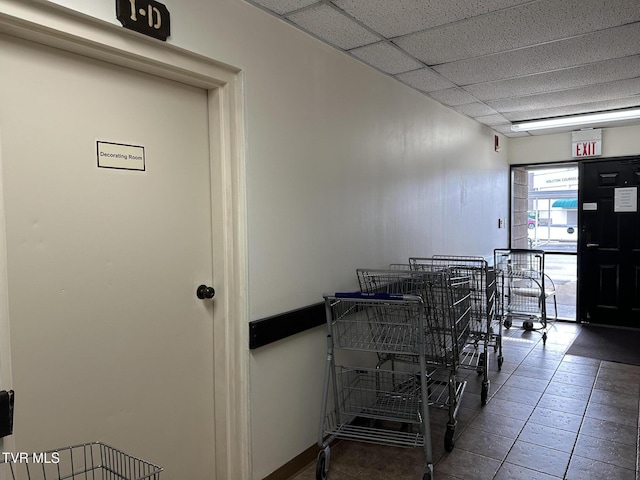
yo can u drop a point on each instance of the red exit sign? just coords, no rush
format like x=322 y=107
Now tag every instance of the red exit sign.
x=587 y=149
x=586 y=143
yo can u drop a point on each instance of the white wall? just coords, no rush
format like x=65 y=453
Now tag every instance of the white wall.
x=616 y=142
x=372 y=174
x=346 y=168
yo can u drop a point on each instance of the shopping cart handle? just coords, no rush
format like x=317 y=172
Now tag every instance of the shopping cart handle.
x=375 y=296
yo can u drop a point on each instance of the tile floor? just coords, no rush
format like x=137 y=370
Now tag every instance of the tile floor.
x=549 y=416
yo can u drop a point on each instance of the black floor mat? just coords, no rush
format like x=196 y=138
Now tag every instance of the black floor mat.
x=612 y=344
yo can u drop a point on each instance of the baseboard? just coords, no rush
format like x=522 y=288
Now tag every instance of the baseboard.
x=296 y=465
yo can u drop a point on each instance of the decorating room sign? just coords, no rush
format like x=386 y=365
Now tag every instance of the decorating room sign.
x=144 y=16
x=120 y=156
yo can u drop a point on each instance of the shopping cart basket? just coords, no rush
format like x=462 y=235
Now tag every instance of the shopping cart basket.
x=447 y=319
x=525 y=289
x=447 y=299
x=87 y=461
x=371 y=404
x=485 y=327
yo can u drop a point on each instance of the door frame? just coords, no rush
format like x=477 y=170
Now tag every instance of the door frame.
x=59 y=27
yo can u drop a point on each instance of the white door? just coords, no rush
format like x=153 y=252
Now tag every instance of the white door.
x=108 y=340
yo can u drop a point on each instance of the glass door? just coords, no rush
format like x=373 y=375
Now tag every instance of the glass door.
x=544 y=216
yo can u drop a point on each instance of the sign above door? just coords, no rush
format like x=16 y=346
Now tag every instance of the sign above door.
x=586 y=143
x=144 y=16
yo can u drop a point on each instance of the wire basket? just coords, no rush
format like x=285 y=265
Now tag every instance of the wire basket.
x=87 y=461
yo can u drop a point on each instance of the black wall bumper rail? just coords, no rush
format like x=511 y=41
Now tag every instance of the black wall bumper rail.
x=271 y=329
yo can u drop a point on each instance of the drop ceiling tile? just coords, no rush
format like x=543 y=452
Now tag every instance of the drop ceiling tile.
x=527 y=68
x=603 y=92
x=611 y=43
x=607 y=71
x=596 y=106
x=516 y=134
x=452 y=97
x=492 y=120
x=504 y=128
x=386 y=57
x=517 y=27
x=425 y=80
x=282 y=7
x=475 y=109
x=400 y=17
x=333 y=27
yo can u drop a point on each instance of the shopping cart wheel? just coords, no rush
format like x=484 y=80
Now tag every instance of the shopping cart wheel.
x=528 y=325
x=322 y=464
x=426 y=476
x=507 y=322
x=449 y=441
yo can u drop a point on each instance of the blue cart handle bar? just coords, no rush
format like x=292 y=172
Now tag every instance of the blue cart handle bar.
x=376 y=296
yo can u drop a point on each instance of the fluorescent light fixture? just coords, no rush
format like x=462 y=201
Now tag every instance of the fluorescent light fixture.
x=577 y=120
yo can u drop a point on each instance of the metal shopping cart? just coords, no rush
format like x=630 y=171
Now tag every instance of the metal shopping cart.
x=420 y=336
x=525 y=289
x=485 y=326
x=87 y=461
x=369 y=404
x=447 y=297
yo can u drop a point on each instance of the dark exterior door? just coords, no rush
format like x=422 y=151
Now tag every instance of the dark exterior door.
x=609 y=243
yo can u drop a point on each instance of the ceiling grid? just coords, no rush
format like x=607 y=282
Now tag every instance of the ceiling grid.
x=497 y=61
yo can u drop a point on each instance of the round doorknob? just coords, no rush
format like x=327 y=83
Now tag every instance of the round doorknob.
x=203 y=292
